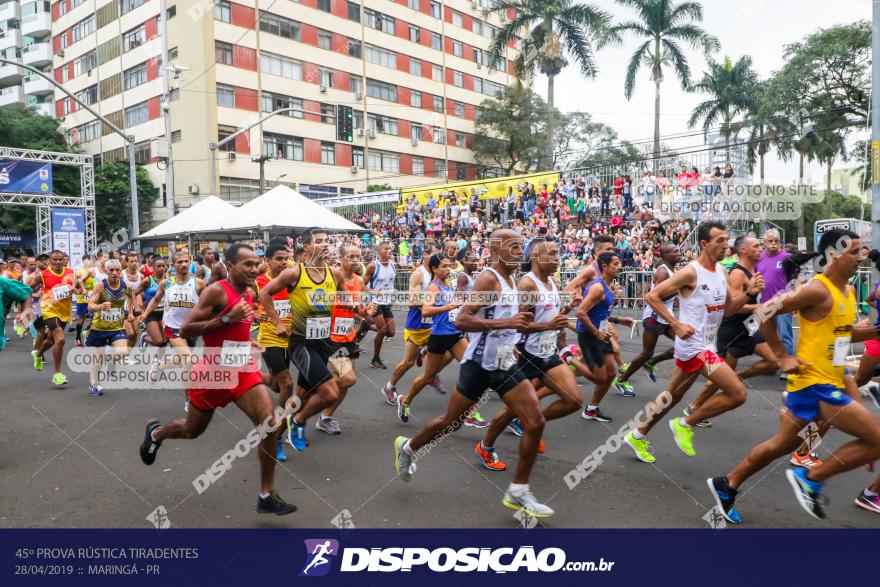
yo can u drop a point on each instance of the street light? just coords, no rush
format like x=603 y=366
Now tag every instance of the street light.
x=278 y=179
x=132 y=178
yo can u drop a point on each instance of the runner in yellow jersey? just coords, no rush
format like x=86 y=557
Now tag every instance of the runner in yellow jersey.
x=312 y=287
x=111 y=305
x=86 y=277
x=59 y=285
x=816 y=392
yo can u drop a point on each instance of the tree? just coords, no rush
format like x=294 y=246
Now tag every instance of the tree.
x=549 y=30
x=732 y=89
x=844 y=206
x=379 y=187
x=113 y=197
x=584 y=143
x=663 y=24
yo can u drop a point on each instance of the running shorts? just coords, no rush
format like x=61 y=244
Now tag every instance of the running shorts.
x=175 y=333
x=311 y=362
x=804 y=403
x=737 y=343
x=155 y=316
x=438 y=344
x=347 y=349
x=872 y=348
x=473 y=380
x=39 y=323
x=536 y=367
x=593 y=349
x=418 y=337
x=206 y=400
x=696 y=362
x=55 y=322
x=277 y=359
x=82 y=309
x=102 y=338
x=385 y=311
x=651 y=324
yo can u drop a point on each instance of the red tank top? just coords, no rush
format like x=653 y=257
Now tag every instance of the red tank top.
x=235 y=331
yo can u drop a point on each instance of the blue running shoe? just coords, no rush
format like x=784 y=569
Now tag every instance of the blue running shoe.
x=514 y=427
x=807 y=491
x=280 y=456
x=296 y=435
x=724 y=496
x=95 y=391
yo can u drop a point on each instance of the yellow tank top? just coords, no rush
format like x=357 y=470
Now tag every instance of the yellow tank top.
x=88 y=283
x=281 y=303
x=311 y=304
x=825 y=342
x=112 y=319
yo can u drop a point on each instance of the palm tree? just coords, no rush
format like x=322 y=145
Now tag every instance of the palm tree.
x=664 y=24
x=548 y=30
x=732 y=89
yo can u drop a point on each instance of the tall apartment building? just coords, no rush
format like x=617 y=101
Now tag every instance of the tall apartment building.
x=25 y=29
x=414 y=71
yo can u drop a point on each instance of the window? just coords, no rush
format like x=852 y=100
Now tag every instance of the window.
x=440 y=168
x=418 y=166
x=415 y=132
x=83 y=28
x=384 y=161
x=436 y=73
x=142 y=153
x=415 y=66
x=357 y=119
x=459 y=109
x=89 y=95
x=379 y=21
x=491 y=88
x=171 y=13
x=460 y=172
x=457 y=49
x=133 y=38
x=278 y=25
x=137 y=115
x=225 y=96
x=325 y=39
x=357 y=157
x=172 y=53
x=439 y=135
x=324 y=5
x=326 y=77
x=90 y=131
x=328 y=113
x=354 y=48
x=382 y=124
x=223 y=11
x=222 y=52
x=436 y=41
x=381 y=57
x=458 y=79
x=381 y=90
x=281 y=66
x=355 y=83
x=478 y=56
x=438 y=104
x=176 y=136
x=413 y=4
x=354 y=12
x=273 y=102
x=415 y=99
x=328 y=153
x=459 y=139
x=456 y=19
x=415 y=34
x=174 y=95
x=435 y=9
x=478 y=85
x=83 y=64
x=283 y=147
x=127 y=5
x=134 y=76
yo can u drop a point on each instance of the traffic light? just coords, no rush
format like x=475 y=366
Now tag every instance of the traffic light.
x=344 y=124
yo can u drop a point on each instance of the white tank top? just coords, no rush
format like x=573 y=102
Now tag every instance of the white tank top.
x=180 y=299
x=383 y=280
x=543 y=344
x=703 y=310
x=668 y=303
x=132 y=283
x=493 y=350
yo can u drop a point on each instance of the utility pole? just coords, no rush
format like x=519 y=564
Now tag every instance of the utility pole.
x=875 y=134
x=262 y=161
x=166 y=114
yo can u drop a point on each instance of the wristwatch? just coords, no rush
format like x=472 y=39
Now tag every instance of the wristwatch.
x=224 y=319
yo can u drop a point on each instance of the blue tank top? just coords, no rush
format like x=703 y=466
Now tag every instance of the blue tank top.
x=602 y=310
x=150 y=292
x=876 y=304
x=442 y=324
x=414 y=320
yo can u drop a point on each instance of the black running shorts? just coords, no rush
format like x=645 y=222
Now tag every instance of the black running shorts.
x=473 y=380
x=438 y=344
x=536 y=367
x=311 y=362
x=593 y=349
x=277 y=359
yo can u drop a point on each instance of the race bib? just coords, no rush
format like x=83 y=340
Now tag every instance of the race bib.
x=343 y=326
x=61 y=292
x=453 y=314
x=711 y=336
x=841 y=350
x=603 y=326
x=427 y=321
x=111 y=315
x=318 y=327
x=235 y=353
x=547 y=343
x=505 y=358
x=282 y=308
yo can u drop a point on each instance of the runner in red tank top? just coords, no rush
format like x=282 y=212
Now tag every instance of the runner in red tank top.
x=227 y=373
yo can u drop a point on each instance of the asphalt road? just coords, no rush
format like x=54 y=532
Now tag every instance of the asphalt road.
x=68 y=460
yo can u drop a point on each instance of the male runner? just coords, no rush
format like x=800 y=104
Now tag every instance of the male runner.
x=111 y=303
x=704 y=297
x=538 y=358
x=86 y=277
x=222 y=317
x=817 y=392
x=14 y=291
x=58 y=283
x=132 y=278
x=312 y=288
x=380 y=279
x=148 y=288
x=490 y=362
x=654 y=326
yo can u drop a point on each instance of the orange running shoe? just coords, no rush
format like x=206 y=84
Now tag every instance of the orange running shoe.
x=541 y=446
x=808 y=461
x=489 y=458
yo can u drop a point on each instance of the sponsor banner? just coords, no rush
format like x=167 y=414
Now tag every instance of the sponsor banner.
x=860 y=227
x=170 y=556
x=29 y=177
x=486 y=189
x=69 y=232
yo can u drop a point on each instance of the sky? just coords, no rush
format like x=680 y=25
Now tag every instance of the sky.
x=759 y=28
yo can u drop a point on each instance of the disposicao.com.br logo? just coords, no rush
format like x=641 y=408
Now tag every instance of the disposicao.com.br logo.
x=442 y=560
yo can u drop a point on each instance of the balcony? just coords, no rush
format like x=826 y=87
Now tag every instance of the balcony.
x=37 y=25
x=10 y=38
x=37 y=54
x=37 y=86
x=9 y=11
x=10 y=74
x=11 y=95
x=43 y=108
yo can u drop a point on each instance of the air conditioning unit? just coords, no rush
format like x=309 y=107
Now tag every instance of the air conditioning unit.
x=361 y=132
x=354 y=168
x=372 y=134
x=193 y=189
x=359 y=95
x=323 y=89
x=231 y=155
x=60 y=53
x=415 y=142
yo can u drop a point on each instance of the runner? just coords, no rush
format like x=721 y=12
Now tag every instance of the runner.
x=148 y=288
x=869 y=498
x=132 y=278
x=110 y=297
x=871 y=358
x=594 y=338
x=817 y=391
x=654 y=325
x=704 y=297
x=490 y=361
x=14 y=291
x=39 y=332
x=380 y=276
x=276 y=355
x=312 y=287
x=222 y=317
x=538 y=358
x=86 y=277
x=58 y=284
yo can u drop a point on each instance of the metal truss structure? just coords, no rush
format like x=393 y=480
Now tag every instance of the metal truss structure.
x=44 y=202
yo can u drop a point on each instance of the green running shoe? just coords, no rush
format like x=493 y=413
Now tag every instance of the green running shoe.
x=642 y=448
x=684 y=437
x=59 y=379
x=38 y=361
x=651 y=369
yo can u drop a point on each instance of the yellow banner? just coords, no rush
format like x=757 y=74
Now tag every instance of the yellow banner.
x=486 y=189
x=875 y=162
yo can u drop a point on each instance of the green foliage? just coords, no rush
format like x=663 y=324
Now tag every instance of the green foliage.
x=379 y=187
x=843 y=207
x=113 y=198
x=732 y=92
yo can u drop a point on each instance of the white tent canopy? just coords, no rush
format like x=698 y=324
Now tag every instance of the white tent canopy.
x=208 y=215
x=284 y=208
